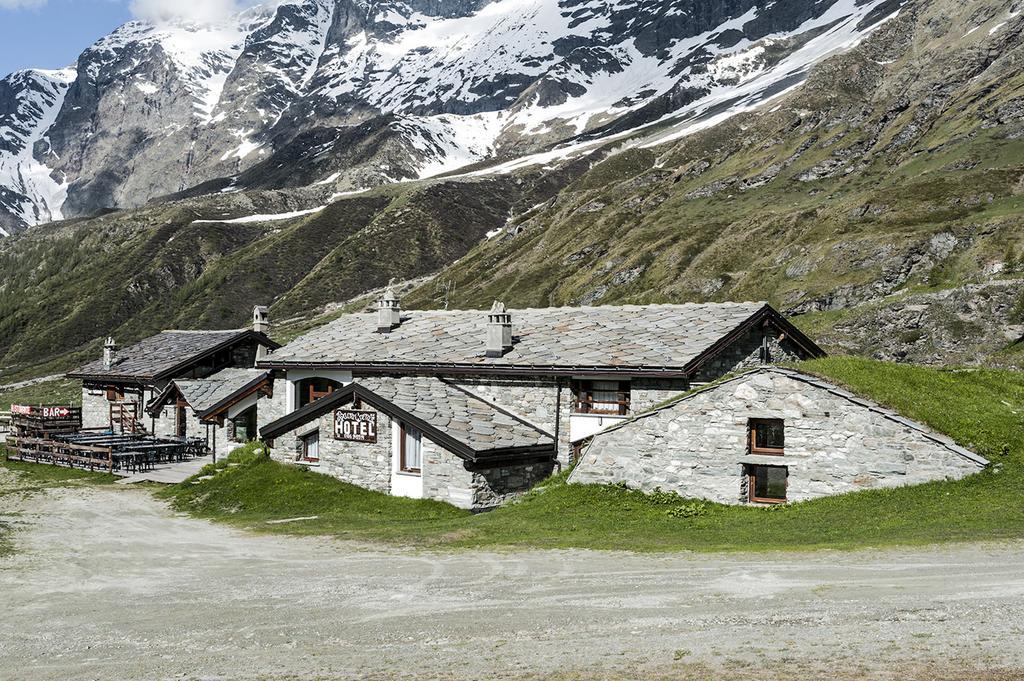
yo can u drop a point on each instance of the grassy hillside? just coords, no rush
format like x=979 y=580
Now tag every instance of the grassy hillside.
x=981 y=409
x=881 y=204
x=883 y=201
x=66 y=286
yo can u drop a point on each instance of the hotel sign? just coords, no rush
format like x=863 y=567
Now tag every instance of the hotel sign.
x=355 y=426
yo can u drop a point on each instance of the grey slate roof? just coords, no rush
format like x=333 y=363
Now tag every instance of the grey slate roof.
x=655 y=336
x=205 y=393
x=156 y=355
x=446 y=412
x=478 y=424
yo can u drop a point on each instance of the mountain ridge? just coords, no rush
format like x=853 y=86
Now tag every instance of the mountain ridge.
x=157 y=110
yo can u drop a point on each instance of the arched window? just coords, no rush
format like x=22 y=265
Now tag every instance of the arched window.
x=312 y=389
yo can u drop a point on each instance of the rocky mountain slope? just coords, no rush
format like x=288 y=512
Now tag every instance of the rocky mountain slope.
x=352 y=94
x=881 y=203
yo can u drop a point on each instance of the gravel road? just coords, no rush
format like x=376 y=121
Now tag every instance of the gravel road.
x=109 y=584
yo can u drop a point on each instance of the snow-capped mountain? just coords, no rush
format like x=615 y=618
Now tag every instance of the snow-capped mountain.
x=355 y=93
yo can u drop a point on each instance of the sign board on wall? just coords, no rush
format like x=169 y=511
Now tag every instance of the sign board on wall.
x=51 y=413
x=355 y=426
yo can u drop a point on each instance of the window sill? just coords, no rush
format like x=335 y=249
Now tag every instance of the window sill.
x=767 y=502
x=593 y=415
x=768 y=460
x=409 y=474
x=307 y=462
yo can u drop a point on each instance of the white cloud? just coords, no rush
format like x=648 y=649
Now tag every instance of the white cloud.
x=21 y=4
x=198 y=11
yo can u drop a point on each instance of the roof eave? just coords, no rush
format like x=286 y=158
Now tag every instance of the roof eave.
x=490 y=369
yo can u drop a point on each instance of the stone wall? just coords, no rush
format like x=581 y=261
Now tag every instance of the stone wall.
x=96 y=408
x=445 y=477
x=444 y=474
x=745 y=353
x=496 y=486
x=365 y=464
x=647 y=393
x=699 y=446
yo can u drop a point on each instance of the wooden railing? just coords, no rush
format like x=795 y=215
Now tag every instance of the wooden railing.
x=58 y=453
x=124 y=418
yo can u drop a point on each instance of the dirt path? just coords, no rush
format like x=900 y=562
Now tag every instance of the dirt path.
x=114 y=586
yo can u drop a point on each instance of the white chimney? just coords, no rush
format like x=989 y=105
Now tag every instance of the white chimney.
x=261 y=324
x=389 y=311
x=499 y=330
x=109 y=353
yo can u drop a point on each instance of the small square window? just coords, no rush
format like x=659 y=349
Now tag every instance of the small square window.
x=767 y=436
x=768 y=484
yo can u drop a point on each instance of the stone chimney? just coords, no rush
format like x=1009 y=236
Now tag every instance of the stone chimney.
x=499 y=330
x=261 y=324
x=389 y=311
x=109 y=353
x=261 y=319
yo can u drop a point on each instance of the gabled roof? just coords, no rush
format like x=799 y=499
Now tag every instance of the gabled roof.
x=637 y=338
x=213 y=394
x=816 y=382
x=167 y=353
x=454 y=418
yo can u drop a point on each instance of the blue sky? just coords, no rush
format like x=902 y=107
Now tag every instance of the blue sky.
x=52 y=33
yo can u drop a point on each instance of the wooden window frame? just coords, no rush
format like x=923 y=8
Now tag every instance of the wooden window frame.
x=115 y=394
x=752 y=470
x=307 y=394
x=585 y=404
x=402 y=434
x=766 y=451
x=305 y=440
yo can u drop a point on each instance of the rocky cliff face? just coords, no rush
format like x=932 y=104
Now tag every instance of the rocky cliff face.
x=350 y=94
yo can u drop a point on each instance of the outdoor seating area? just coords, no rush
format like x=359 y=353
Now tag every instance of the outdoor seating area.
x=112 y=452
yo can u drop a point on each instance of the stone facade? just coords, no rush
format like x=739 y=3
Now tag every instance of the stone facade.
x=834 y=443
x=444 y=475
x=96 y=407
x=496 y=486
x=216 y=436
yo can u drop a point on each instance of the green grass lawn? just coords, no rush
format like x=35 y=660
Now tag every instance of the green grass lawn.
x=981 y=409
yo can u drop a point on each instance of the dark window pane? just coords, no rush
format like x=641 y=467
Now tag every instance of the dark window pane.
x=770 y=482
x=770 y=434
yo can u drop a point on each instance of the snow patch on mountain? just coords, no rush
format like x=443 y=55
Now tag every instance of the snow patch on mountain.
x=38 y=195
x=448 y=142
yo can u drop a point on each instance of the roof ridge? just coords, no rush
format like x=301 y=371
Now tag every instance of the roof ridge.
x=632 y=306
x=199 y=331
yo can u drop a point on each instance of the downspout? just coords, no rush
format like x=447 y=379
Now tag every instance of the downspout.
x=558 y=422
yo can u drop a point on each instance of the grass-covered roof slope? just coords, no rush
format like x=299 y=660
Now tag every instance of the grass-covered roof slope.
x=982 y=410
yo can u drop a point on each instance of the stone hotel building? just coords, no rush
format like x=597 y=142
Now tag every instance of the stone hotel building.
x=476 y=407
